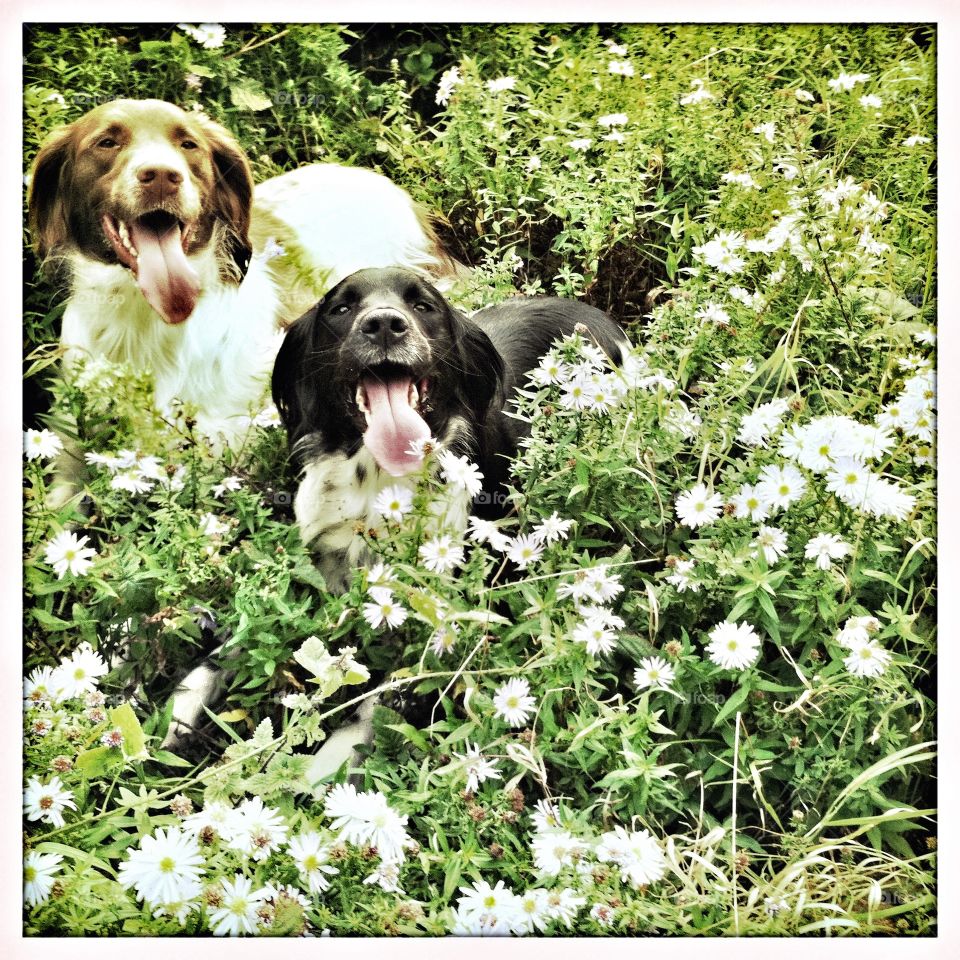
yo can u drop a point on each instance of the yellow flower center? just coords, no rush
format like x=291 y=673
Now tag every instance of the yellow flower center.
x=166 y=865
x=731 y=644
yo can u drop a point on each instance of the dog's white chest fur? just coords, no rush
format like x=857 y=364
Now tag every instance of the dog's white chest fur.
x=336 y=499
x=218 y=362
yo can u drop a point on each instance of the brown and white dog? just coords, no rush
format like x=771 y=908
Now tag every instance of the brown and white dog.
x=179 y=266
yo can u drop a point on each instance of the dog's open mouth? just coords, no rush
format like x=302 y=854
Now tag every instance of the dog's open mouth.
x=154 y=246
x=391 y=401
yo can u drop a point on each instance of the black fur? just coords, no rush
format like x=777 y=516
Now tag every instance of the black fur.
x=473 y=366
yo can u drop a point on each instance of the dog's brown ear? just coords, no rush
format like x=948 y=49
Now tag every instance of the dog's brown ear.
x=233 y=191
x=48 y=198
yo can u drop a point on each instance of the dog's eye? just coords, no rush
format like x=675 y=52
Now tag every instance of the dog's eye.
x=188 y=145
x=423 y=307
x=106 y=142
x=341 y=308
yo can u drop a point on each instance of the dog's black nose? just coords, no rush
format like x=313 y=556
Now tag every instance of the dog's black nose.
x=384 y=327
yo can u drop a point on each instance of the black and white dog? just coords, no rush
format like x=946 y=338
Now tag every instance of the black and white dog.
x=382 y=363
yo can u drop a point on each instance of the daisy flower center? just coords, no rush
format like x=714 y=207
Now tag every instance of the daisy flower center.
x=238 y=906
x=753 y=503
x=70 y=554
x=45 y=802
x=513 y=702
x=30 y=874
x=783 y=489
x=310 y=862
x=700 y=506
x=731 y=644
x=653 y=674
x=166 y=865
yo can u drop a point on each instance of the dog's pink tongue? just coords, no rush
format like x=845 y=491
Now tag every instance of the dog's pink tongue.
x=393 y=426
x=163 y=274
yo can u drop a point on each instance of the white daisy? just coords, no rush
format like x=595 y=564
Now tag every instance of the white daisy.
x=394 y=502
x=448 y=81
x=166 y=867
x=637 y=854
x=384 y=609
x=825 y=548
x=441 y=554
x=680 y=577
x=555 y=849
x=238 y=912
x=258 y=830
x=733 y=646
x=595 y=635
x=603 y=913
x=477 y=768
x=749 y=503
x=545 y=816
x=653 y=672
x=43 y=687
x=47 y=801
x=867 y=659
x=80 y=673
x=485 y=531
x=231 y=484
x=212 y=526
x=501 y=83
x=857 y=630
x=781 y=486
x=311 y=854
x=443 y=639
x=553 y=528
x=513 y=703
x=766 y=130
x=524 y=550
x=697 y=507
x=563 y=905
x=217 y=816
x=41 y=444
x=772 y=543
x=39 y=870
x=367 y=818
x=66 y=552
x=460 y=472
x=847 y=81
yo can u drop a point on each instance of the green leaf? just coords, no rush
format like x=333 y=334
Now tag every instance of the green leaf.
x=170 y=759
x=134 y=743
x=96 y=761
x=736 y=699
x=249 y=95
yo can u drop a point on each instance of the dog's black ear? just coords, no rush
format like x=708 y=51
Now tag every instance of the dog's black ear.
x=287 y=383
x=480 y=366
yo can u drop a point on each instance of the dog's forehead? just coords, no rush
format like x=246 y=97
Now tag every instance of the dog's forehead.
x=373 y=281
x=137 y=113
